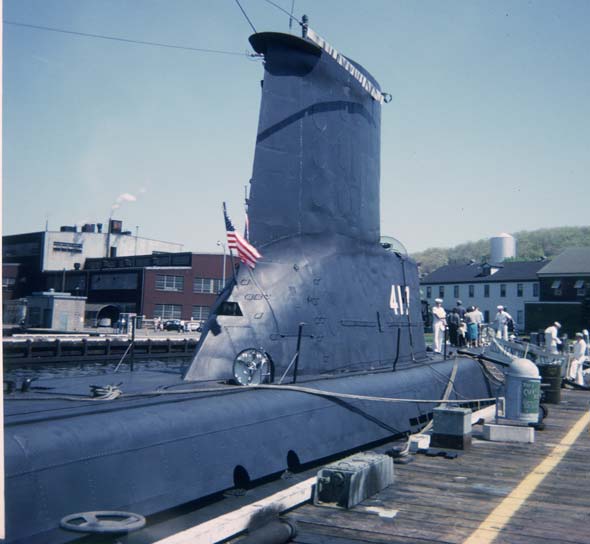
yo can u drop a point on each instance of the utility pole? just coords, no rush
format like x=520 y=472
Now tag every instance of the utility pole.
x=108 y=237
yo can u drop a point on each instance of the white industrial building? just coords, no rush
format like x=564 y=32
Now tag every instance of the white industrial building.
x=68 y=248
x=36 y=253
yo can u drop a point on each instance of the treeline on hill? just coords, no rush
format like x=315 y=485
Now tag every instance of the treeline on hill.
x=530 y=246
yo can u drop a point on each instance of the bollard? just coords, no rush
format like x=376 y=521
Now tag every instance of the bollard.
x=522 y=391
x=452 y=428
x=275 y=532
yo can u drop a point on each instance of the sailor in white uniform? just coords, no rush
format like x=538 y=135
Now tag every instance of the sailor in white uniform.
x=551 y=338
x=579 y=356
x=439 y=323
x=501 y=322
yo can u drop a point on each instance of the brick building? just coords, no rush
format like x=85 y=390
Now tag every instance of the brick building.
x=166 y=285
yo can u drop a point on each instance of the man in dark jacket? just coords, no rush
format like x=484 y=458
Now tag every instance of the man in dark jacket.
x=453 y=321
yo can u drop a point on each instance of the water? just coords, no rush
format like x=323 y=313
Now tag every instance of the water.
x=40 y=371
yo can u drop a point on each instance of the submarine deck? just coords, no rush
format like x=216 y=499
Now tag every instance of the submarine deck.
x=487 y=494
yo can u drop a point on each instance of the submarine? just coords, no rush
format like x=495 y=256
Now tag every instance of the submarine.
x=317 y=350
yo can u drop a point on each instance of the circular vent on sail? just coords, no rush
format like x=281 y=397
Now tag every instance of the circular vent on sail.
x=252 y=367
x=391 y=244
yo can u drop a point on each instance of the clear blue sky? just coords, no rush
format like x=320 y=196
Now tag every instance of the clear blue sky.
x=488 y=130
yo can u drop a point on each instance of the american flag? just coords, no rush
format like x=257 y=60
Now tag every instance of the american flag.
x=247 y=253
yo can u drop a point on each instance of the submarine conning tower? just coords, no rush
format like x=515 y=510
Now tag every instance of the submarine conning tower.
x=326 y=297
x=317 y=159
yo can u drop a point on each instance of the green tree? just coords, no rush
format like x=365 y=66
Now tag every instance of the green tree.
x=530 y=246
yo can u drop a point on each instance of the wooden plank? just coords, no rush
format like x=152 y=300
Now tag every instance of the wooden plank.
x=318 y=534
x=235 y=522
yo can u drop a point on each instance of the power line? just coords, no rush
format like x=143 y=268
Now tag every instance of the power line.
x=126 y=40
x=245 y=15
x=283 y=10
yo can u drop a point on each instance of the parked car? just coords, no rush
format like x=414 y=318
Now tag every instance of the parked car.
x=173 y=325
x=192 y=326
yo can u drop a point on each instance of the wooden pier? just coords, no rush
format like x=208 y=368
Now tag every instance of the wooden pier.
x=60 y=350
x=496 y=492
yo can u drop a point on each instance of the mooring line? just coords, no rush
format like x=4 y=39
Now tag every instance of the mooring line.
x=491 y=527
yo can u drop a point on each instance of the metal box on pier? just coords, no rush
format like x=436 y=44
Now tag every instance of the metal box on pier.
x=349 y=481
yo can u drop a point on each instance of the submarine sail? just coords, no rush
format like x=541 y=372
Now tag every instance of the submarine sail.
x=314 y=215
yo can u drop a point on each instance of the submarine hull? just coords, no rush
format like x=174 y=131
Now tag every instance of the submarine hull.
x=156 y=452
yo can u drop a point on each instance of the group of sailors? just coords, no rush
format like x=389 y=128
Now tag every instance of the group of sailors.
x=575 y=369
x=464 y=328
x=463 y=325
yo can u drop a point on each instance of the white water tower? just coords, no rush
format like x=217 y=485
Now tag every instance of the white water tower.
x=502 y=246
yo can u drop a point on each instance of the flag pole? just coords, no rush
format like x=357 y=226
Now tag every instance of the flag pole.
x=231 y=255
x=247 y=219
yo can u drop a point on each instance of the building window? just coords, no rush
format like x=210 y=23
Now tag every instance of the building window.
x=169 y=283
x=520 y=317
x=68 y=247
x=580 y=288
x=486 y=292
x=441 y=291
x=8 y=282
x=429 y=292
x=556 y=284
x=207 y=285
x=519 y=289
x=502 y=289
x=535 y=289
x=486 y=315
x=168 y=311
x=456 y=291
x=117 y=281
x=471 y=291
x=200 y=313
